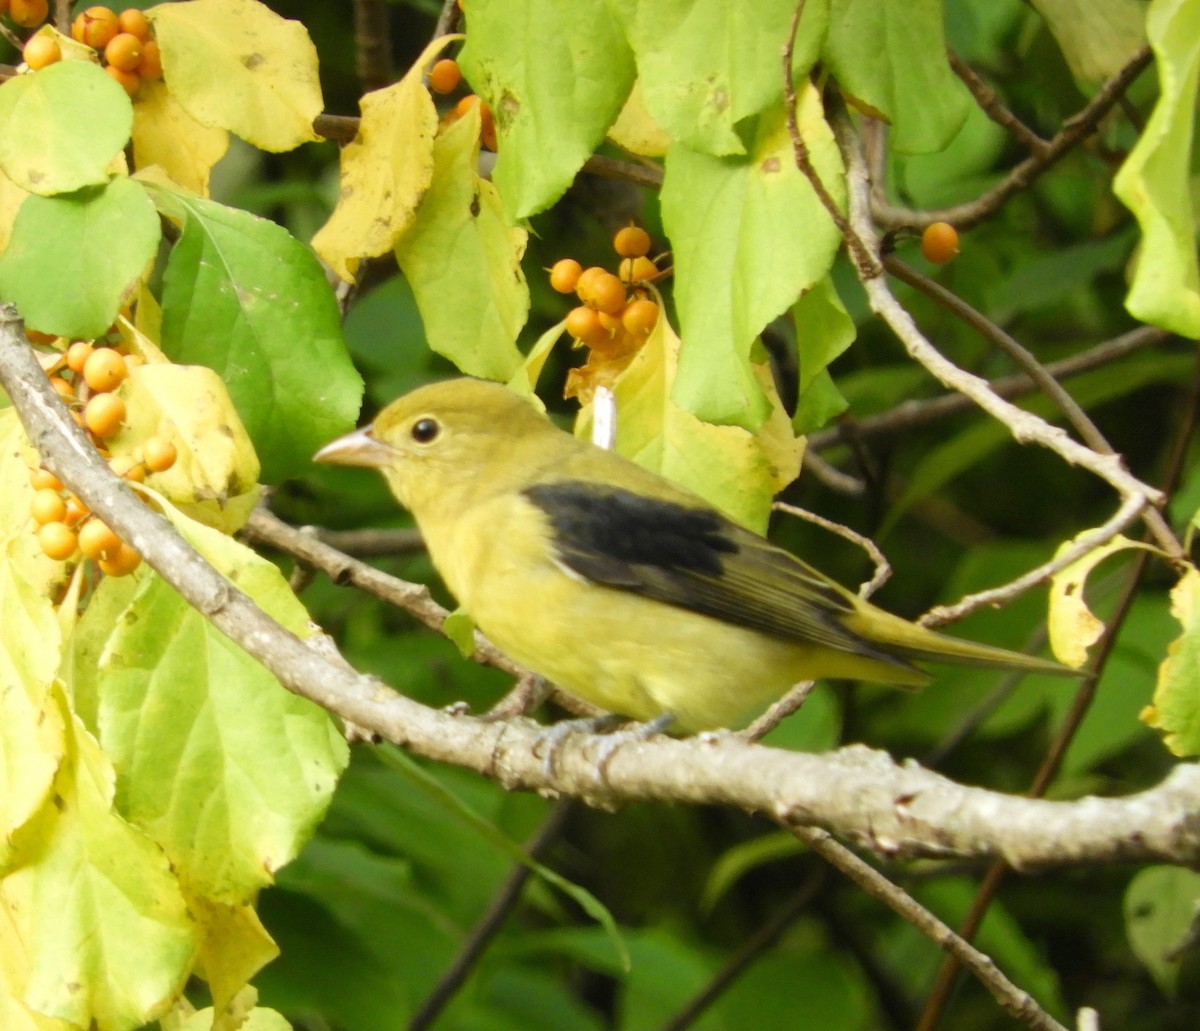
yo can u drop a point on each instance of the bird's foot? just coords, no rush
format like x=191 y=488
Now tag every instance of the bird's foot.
x=550 y=740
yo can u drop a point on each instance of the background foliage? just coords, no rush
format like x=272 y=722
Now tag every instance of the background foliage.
x=156 y=789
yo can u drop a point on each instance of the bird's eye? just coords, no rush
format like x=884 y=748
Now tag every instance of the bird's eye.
x=426 y=430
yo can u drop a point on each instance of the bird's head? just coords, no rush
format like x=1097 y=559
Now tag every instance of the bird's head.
x=439 y=437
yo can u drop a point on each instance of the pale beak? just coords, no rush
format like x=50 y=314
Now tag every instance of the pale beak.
x=357 y=448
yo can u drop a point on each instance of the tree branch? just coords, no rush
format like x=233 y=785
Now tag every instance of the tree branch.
x=862 y=794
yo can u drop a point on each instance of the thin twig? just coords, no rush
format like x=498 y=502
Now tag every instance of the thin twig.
x=1088 y=432
x=751 y=949
x=910 y=414
x=372 y=44
x=1024 y=426
x=883 y=568
x=866 y=262
x=1080 y=705
x=991 y=105
x=1012 y=999
x=1074 y=130
x=994 y=597
x=492 y=920
x=831 y=476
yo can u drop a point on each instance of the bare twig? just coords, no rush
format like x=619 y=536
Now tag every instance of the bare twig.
x=1074 y=130
x=991 y=105
x=832 y=477
x=751 y=949
x=1024 y=426
x=883 y=568
x=372 y=44
x=1130 y=509
x=901 y=810
x=919 y=413
x=492 y=920
x=1011 y=998
x=867 y=263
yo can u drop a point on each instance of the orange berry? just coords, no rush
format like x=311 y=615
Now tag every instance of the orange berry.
x=939 y=242
x=639 y=317
x=57 y=540
x=445 y=76
x=40 y=51
x=583 y=285
x=564 y=275
x=28 y=13
x=583 y=324
x=151 y=63
x=128 y=81
x=64 y=389
x=105 y=369
x=634 y=270
x=95 y=27
x=128 y=468
x=76 y=510
x=78 y=354
x=47 y=506
x=104 y=415
x=605 y=293
x=134 y=22
x=158 y=454
x=97 y=541
x=44 y=479
x=123 y=51
x=124 y=562
x=632 y=242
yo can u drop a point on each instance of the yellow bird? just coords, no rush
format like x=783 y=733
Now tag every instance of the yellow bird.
x=614 y=583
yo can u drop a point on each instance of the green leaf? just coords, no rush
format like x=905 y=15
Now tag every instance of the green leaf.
x=892 y=55
x=463 y=261
x=555 y=77
x=1160 y=909
x=63 y=127
x=72 y=257
x=750 y=235
x=705 y=65
x=1097 y=37
x=245 y=298
x=1154 y=182
x=823 y=331
x=237 y=65
x=221 y=765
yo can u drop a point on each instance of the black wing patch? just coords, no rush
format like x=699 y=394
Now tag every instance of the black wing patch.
x=695 y=558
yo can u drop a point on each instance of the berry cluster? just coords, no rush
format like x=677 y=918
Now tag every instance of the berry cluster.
x=444 y=78
x=617 y=310
x=85 y=377
x=122 y=40
x=611 y=319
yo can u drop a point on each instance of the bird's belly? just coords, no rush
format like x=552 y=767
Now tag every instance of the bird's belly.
x=639 y=657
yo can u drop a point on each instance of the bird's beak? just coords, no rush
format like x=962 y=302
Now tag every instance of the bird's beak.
x=357 y=448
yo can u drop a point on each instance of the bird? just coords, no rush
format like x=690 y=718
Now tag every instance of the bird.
x=614 y=583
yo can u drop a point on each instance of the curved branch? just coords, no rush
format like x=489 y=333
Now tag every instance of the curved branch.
x=896 y=809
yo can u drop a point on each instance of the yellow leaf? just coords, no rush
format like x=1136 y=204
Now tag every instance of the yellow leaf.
x=11 y=199
x=635 y=129
x=214 y=478
x=165 y=134
x=234 y=947
x=385 y=170
x=1072 y=626
x=236 y=65
x=95 y=906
